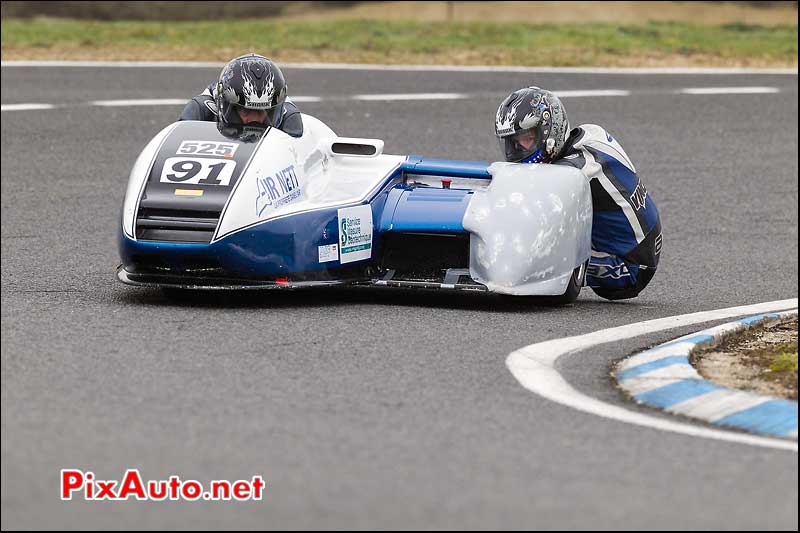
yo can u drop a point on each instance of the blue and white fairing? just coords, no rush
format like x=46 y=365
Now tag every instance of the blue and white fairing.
x=205 y=211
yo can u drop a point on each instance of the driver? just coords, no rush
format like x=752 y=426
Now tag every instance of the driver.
x=251 y=91
x=532 y=127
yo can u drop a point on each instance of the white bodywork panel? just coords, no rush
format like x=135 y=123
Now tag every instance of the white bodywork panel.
x=529 y=229
x=320 y=177
x=138 y=177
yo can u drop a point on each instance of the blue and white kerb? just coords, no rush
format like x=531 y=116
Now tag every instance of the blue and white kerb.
x=663 y=377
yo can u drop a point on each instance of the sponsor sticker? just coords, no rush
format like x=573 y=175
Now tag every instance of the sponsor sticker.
x=188 y=192
x=601 y=271
x=639 y=197
x=328 y=252
x=277 y=189
x=355 y=233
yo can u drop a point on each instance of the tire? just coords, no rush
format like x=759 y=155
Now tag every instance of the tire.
x=573 y=288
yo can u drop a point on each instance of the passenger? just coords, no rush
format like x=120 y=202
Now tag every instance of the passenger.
x=532 y=127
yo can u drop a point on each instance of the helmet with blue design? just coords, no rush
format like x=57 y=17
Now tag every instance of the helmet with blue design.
x=531 y=126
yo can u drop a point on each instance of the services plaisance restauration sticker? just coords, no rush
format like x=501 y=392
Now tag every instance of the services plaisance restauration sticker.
x=355 y=233
x=328 y=252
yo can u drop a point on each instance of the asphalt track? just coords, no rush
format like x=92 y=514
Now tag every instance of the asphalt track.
x=369 y=409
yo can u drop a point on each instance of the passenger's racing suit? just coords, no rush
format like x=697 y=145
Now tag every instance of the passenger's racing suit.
x=626 y=229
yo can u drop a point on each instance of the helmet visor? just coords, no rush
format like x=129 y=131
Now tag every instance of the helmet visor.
x=243 y=133
x=235 y=114
x=255 y=116
x=520 y=145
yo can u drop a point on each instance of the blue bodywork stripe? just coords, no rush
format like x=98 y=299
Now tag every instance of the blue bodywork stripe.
x=431 y=209
x=415 y=197
x=446 y=167
x=638 y=370
x=777 y=417
x=424 y=209
x=675 y=393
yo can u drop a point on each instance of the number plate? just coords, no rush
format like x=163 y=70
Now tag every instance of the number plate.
x=197 y=171
x=207 y=148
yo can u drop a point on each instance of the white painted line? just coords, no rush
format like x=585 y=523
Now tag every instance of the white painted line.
x=717 y=404
x=143 y=102
x=111 y=64
x=408 y=96
x=600 y=92
x=305 y=99
x=407 y=68
x=25 y=107
x=729 y=90
x=534 y=367
x=391 y=97
x=538 y=70
x=177 y=101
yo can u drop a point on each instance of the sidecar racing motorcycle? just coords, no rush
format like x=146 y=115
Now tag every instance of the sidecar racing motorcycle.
x=259 y=209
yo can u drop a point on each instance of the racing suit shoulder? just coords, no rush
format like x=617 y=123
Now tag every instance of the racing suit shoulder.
x=594 y=136
x=201 y=107
x=291 y=122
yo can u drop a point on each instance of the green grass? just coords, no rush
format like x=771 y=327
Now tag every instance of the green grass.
x=785 y=361
x=779 y=365
x=395 y=42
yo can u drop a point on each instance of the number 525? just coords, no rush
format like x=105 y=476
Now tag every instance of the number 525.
x=207 y=148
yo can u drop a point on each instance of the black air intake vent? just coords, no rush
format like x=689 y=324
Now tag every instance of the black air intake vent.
x=173 y=225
